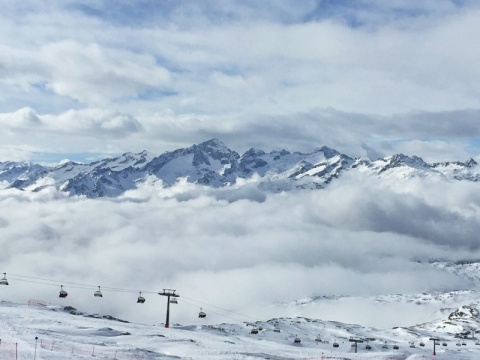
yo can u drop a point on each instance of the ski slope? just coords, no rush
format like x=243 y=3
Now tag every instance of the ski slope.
x=63 y=335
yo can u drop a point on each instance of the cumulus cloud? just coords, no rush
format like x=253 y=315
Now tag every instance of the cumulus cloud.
x=94 y=121
x=93 y=74
x=400 y=75
x=241 y=252
x=70 y=132
x=21 y=119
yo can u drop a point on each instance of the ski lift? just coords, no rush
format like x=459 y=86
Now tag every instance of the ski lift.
x=318 y=339
x=4 y=280
x=201 y=314
x=464 y=343
x=477 y=342
x=395 y=347
x=297 y=340
x=335 y=344
x=458 y=344
x=173 y=301
x=276 y=329
x=412 y=344
x=385 y=346
x=422 y=344
x=254 y=331
x=98 y=293
x=140 y=299
x=368 y=347
x=444 y=344
x=63 y=293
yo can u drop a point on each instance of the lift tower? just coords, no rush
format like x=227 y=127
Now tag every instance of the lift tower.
x=168 y=293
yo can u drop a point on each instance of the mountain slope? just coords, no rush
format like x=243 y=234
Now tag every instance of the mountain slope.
x=57 y=332
x=212 y=163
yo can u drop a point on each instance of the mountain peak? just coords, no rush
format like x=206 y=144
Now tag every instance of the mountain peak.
x=216 y=149
x=214 y=142
x=212 y=163
x=464 y=312
x=328 y=152
x=470 y=163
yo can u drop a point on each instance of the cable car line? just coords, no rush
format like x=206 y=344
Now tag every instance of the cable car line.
x=98 y=293
x=233 y=312
x=210 y=311
x=77 y=285
x=50 y=280
x=54 y=285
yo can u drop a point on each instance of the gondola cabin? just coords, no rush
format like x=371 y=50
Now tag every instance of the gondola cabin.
x=140 y=299
x=98 y=293
x=201 y=314
x=297 y=340
x=335 y=345
x=173 y=301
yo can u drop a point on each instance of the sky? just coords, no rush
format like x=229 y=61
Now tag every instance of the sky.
x=84 y=80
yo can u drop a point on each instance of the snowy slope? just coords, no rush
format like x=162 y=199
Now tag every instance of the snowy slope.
x=470 y=269
x=64 y=333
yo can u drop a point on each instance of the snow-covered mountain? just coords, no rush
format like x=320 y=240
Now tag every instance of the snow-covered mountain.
x=212 y=163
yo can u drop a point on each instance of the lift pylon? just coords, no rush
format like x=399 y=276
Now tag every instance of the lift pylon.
x=168 y=293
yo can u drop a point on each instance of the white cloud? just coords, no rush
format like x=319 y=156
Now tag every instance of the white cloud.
x=249 y=70
x=95 y=74
x=93 y=121
x=354 y=238
x=21 y=120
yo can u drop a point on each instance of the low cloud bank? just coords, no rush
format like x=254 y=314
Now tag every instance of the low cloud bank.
x=236 y=250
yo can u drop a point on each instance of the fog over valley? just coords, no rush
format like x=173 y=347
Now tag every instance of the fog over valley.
x=358 y=237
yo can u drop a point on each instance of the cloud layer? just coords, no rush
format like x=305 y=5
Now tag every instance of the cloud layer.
x=355 y=238
x=401 y=76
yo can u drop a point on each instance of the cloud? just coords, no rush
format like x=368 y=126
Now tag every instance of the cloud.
x=21 y=119
x=95 y=74
x=89 y=73
x=436 y=137
x=93 y=122
x=401 y=76
x=237 y=251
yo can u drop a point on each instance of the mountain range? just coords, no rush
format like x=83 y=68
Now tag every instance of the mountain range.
x=212 y=163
